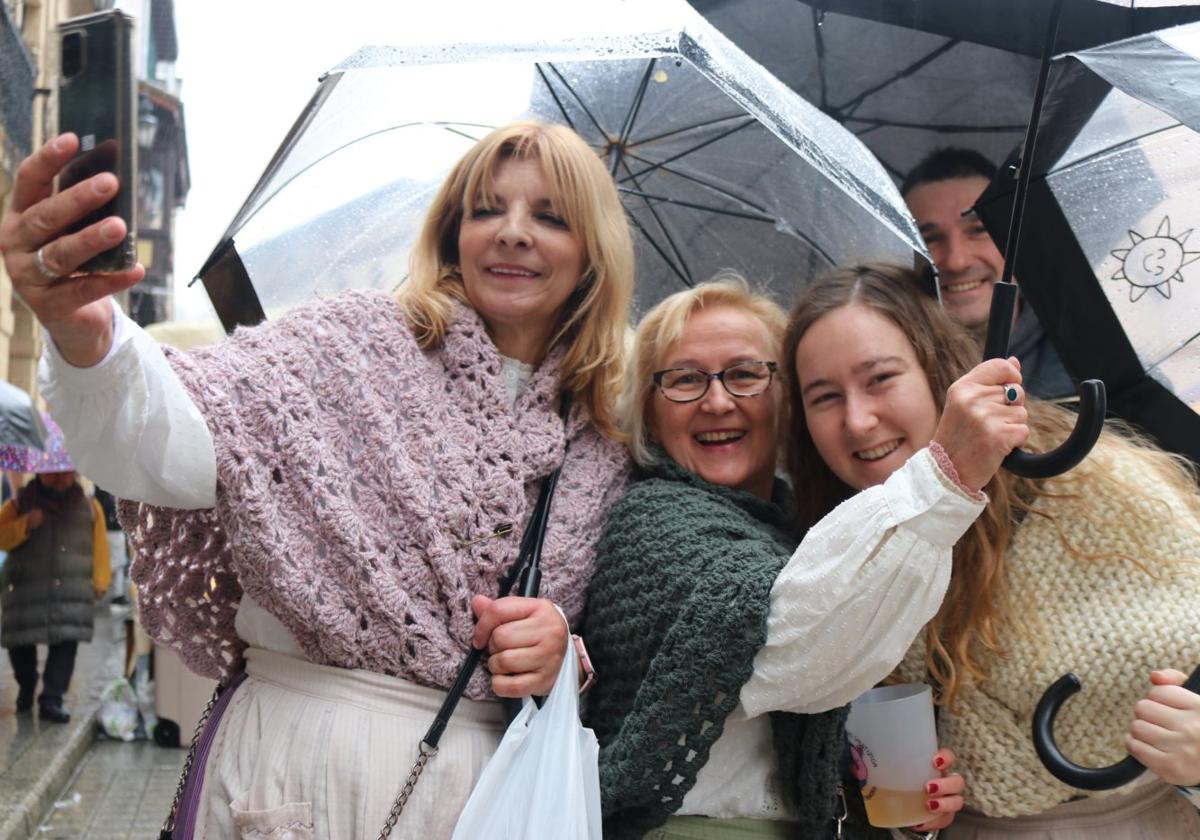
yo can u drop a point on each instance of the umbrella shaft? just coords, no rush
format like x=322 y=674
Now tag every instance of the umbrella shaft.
x=1027 y=150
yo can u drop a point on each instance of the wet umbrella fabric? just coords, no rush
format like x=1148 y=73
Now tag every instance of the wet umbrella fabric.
x=719 y=164
x=51 y=458
x=20 y=423
x=1108 y=258
x=902 y=92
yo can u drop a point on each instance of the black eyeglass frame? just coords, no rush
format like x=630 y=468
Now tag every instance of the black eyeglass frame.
x=772 y=369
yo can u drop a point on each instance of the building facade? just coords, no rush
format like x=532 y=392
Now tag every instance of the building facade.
x=29 y=58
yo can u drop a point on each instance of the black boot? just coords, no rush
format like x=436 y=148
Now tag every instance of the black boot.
x=53 y=712
x=24 y=700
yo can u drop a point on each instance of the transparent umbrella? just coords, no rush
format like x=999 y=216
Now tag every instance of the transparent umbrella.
x=721 y=166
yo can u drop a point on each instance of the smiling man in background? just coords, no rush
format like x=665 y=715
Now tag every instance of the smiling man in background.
x=940 y=192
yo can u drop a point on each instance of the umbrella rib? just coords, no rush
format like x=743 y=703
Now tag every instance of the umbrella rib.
x=1113 y=149
x=707 y=185
x=578 y=99
x=658 y=248
x=684 y=273
x=852 y=105
x=652 y=166
x=1182 y=346
x=694 y=127
x=818 y=18
x=757 y=217
x=554 y=95
x=631 y=117
x=945 y=128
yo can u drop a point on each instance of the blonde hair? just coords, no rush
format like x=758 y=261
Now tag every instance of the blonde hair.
x=596 y=315
x=976 y=609
x=663 y=326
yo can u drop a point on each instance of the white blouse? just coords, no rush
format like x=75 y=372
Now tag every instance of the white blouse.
x=843 y=611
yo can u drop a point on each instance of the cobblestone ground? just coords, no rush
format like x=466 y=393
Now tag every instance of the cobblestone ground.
x=121 y=791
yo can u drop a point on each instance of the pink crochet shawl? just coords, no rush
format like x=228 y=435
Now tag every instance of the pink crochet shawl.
x=355 y=476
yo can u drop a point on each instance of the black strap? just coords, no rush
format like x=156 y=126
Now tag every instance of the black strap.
x=525 y=571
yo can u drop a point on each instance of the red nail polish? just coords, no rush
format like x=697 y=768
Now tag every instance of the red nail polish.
x=931 y=787
x=932 y=804
x=939 y=762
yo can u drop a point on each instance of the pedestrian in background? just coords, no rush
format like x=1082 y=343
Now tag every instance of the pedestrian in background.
x=57 y=567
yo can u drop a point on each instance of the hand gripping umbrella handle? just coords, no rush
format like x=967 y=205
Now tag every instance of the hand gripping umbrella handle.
x=1092 y=400
x=1065 y=770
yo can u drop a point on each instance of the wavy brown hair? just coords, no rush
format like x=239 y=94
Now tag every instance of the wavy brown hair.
x=596 y=316
x=965 y=633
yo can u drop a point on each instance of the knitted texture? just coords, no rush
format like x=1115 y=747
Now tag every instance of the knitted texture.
x=1106 y=620
x=358 y=481
x=676 y=612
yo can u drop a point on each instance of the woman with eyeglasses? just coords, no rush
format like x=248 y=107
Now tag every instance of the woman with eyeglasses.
x=729 y=653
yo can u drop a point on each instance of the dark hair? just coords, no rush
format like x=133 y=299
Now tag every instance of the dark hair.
x=947 y=163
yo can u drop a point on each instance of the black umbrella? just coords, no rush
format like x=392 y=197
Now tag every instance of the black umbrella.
x=902 y=92
x=1098 y=133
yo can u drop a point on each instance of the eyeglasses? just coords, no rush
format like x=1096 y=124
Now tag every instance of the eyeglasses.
x=745 y=379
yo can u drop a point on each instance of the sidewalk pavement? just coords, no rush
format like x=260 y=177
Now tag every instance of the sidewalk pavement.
x=37 y=760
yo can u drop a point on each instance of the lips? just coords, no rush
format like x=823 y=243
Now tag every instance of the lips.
x=955 y=288
x=510 y=270
x=876 y=453
x=719 y=437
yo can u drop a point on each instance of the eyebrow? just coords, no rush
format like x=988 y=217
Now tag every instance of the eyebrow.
x=859 y=368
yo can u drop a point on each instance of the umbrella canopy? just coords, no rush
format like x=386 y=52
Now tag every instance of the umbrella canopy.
x=1107 y=250
x=52 y=458
x=720 y=165
x=20 y=423
x=904 y=93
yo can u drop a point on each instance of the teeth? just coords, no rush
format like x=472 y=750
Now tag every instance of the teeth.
x=962 y=287
x=513 y=272
x=878 y=452
x=718 y=437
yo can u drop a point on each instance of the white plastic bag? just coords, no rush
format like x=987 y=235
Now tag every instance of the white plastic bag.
x=118 y=713
x=544 y=780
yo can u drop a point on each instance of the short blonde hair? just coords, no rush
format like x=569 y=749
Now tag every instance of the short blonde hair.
x=663 y=326
x=596 y=315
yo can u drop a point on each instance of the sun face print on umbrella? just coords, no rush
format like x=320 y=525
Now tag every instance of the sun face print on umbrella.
x=720 y=165
x=1153 y=262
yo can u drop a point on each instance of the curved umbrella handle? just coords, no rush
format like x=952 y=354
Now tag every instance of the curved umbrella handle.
x=1092 y=405
x=1062 y=768
x=1093 y=402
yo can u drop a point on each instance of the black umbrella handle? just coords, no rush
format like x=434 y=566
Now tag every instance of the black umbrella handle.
x=1062 y=768
x=1093 y=402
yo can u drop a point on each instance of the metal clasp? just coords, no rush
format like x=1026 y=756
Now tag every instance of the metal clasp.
x=500 y=531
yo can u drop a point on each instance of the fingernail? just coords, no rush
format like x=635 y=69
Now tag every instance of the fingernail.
x=939 y=762
x=111 y=230
x=932 y=804
x=59 y=144
x=103 y=184
x=931 y=787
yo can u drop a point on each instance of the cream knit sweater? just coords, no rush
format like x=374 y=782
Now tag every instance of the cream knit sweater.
x=1106 y=620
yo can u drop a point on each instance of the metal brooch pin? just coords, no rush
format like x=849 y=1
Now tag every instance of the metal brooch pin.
x=501 y=531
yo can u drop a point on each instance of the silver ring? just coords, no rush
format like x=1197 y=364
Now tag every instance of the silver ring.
x=42 y=268
x=1011 y=394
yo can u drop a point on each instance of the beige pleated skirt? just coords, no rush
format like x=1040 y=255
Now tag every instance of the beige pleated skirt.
x=307 y=751
x=1152 y=811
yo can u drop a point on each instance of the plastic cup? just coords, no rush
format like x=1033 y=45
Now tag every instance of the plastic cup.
x=892 y=741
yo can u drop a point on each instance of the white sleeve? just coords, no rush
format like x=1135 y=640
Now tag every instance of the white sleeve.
x=1191 y=794
x=128 y=423
x=858 y=589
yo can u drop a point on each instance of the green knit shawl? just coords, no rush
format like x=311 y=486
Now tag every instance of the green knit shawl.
x=676 y=612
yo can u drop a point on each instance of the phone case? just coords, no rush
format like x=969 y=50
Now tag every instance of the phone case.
x=96 y=101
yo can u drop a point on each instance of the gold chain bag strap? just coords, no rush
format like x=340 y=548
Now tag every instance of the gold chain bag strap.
x=524 y=572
